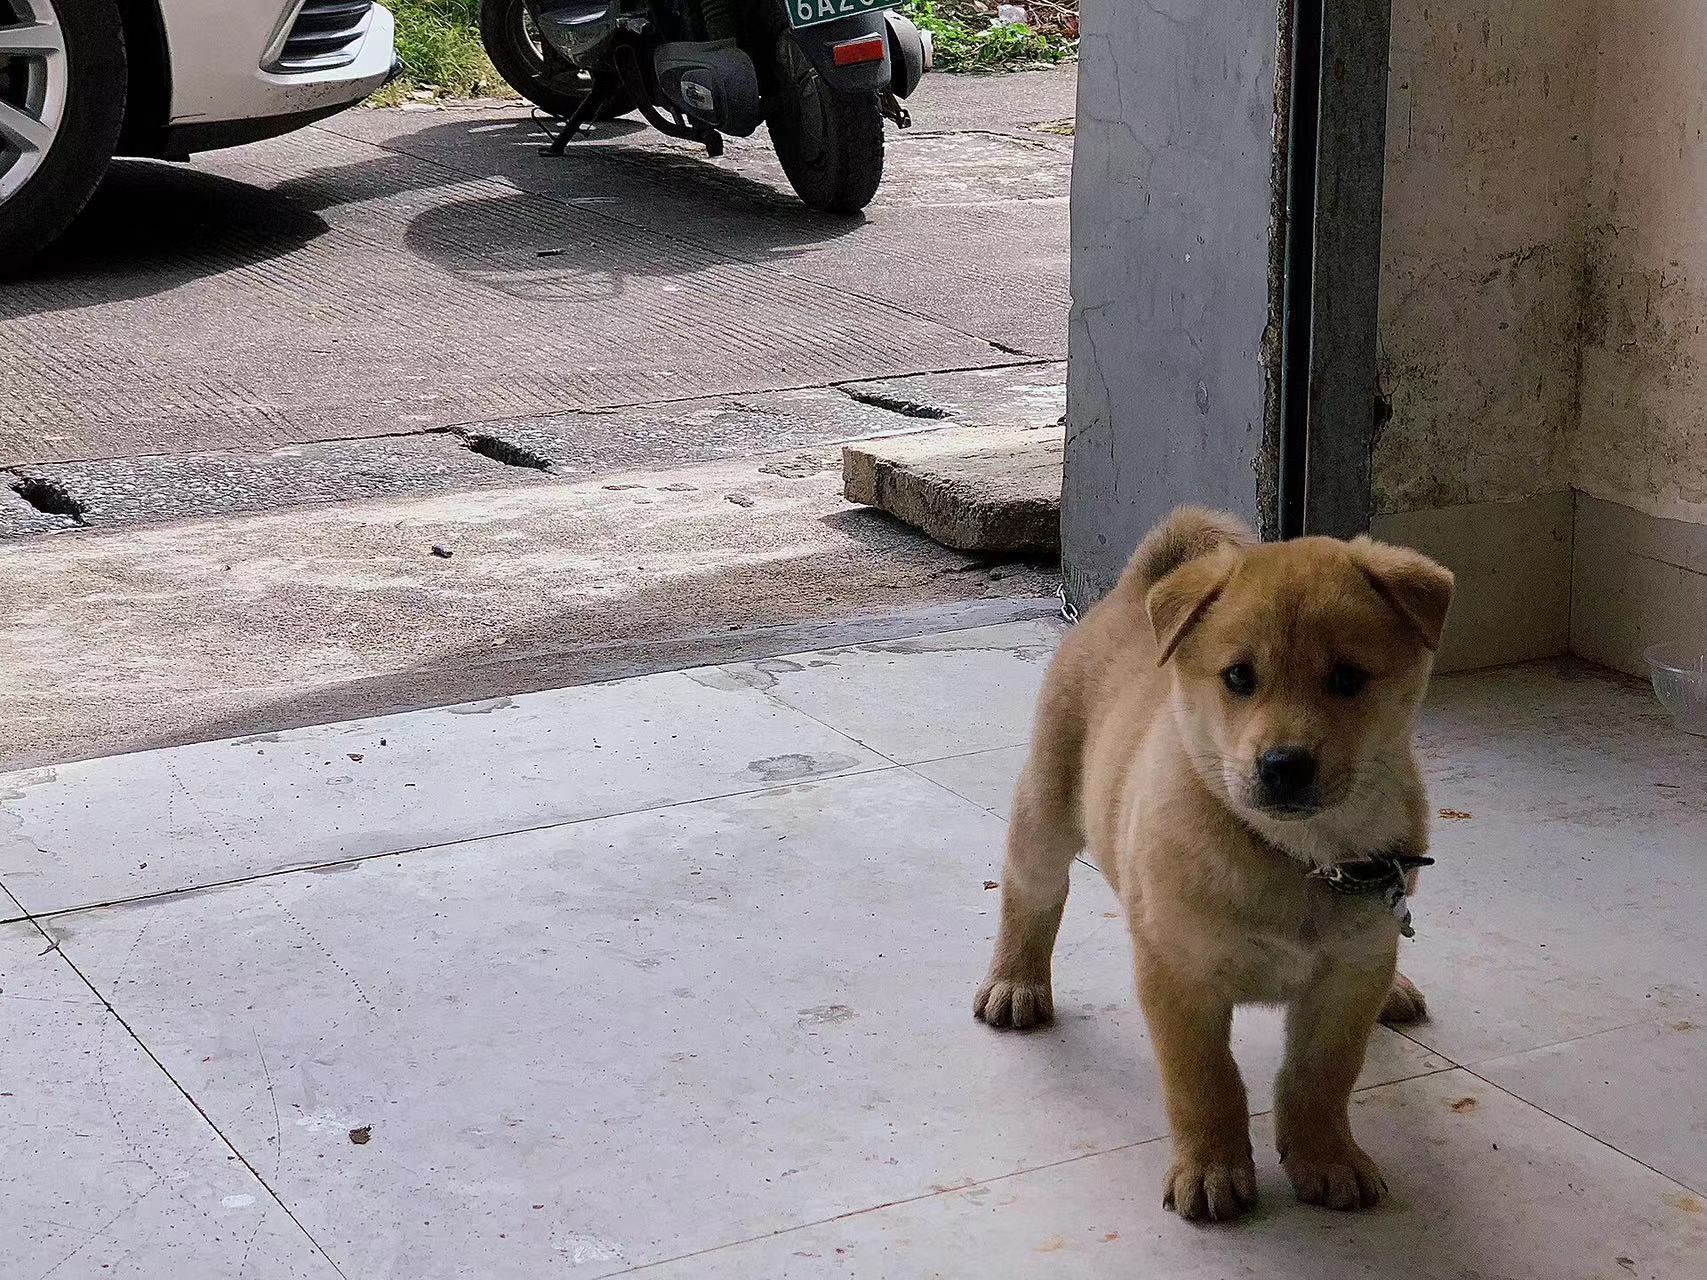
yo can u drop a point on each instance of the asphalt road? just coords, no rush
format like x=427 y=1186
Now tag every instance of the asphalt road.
x=245 y=396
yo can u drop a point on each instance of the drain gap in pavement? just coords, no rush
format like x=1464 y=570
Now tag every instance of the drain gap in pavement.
x=505 y=452
x=49 y=497
x=894 y=404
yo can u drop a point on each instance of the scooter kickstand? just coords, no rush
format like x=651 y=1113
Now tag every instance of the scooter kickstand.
x=585 y=110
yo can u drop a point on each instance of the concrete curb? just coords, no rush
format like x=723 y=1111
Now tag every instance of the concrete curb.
x=971 y=489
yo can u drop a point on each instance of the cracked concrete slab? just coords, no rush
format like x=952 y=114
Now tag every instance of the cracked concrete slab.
x=1019 y=395
x=598 y=441
x=111 y=493
x=18 y=519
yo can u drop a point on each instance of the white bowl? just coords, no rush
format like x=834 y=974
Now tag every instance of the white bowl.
x=1679 y=673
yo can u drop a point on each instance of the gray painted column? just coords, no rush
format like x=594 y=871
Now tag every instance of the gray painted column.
x=1175 y=328
x=1212 y=360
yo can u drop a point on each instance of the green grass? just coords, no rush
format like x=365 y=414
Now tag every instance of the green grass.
x=967 y=42
x=439 y=42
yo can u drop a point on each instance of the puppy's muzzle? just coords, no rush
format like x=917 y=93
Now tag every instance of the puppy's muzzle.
x=1286 y=782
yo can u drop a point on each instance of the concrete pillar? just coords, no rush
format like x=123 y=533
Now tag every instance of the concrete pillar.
x=1224 y=283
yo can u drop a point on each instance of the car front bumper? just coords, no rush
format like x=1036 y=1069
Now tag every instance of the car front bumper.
x=231 y=80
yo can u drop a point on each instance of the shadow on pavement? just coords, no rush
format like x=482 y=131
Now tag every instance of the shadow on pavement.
x=535 y=250
x=730 y=614
x=654 y=164
x=153 y=226
x=666 y=193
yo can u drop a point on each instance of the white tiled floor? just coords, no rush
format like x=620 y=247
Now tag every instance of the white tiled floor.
x=104 y=830
x=674 y=974
x=105 y=1167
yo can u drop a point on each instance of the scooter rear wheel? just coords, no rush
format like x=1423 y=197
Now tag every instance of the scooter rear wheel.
x=830 y=142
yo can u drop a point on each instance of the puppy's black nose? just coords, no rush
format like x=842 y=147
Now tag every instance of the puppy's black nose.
x=1287 y=774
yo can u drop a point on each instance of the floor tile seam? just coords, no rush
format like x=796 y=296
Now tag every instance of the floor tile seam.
x=23 y=916
x=112 y=1012
x=440 y=845
x=782 y=704
x=1576 y=1128
x=933 y=1194
x=950 y=791
x=974 y=1182
x=1079 y=857
x=981 y=751
x=1510 y=1055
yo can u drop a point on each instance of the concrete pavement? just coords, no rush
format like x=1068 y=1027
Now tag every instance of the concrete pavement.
x=196 y=629
x=246 y=398
x=392 y=271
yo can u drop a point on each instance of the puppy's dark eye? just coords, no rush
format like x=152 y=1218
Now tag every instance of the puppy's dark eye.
x=1240 y=678
x=1347 y=681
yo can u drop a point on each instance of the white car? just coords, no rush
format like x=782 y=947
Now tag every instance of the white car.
x=84 y=80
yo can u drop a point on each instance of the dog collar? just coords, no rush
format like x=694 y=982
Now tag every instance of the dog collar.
x=1382 y=875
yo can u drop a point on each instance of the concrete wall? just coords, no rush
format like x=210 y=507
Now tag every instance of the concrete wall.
x=1544 y=320
x=1642 y=440
x=1639 y=453
x=1482 y=250
x=1483 y=255
x=1173 y=196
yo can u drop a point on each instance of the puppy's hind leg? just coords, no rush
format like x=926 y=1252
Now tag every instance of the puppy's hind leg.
x=1043 y=837
x=1404 y=1003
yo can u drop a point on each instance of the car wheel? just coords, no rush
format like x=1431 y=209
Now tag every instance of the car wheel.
x=62 y=93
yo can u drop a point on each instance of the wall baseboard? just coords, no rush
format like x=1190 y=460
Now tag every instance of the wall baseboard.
x=1513 y=564
x=1636 y=580
x=1561 y=573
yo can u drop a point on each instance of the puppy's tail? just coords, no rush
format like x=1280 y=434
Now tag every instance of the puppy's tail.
x=1185 y=535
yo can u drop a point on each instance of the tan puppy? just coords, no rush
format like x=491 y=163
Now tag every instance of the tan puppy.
x=1231 y=718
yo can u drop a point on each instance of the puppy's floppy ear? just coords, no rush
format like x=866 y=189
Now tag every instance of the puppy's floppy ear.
x=1181 y=598
x=1415 y=587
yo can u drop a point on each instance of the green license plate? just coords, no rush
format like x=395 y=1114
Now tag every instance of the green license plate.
x=809 y=13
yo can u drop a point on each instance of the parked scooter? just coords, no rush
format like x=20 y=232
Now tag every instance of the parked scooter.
x=822 y=74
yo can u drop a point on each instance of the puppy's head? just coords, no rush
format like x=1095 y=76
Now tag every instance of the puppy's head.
x=1298 y=667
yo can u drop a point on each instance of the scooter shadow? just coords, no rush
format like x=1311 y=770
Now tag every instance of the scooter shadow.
x=738 y=206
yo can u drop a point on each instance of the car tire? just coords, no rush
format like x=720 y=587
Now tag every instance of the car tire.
x=91 y=81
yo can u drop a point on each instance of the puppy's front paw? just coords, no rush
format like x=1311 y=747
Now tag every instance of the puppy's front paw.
x=1340 y=1178
x=1210 y=1191
x=1014 y=1002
